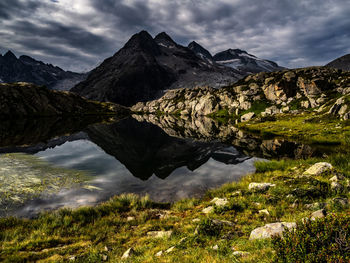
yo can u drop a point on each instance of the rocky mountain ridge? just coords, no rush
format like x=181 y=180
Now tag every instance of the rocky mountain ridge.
x=340 y=63
x=146 y=66
x=237 y=59
x=19 y=100
x=27 y=69
x=291 y=91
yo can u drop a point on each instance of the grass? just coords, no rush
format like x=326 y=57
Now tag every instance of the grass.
x=92 y=234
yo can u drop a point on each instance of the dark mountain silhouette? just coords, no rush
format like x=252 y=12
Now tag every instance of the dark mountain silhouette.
x=340 y=63
x=145 y=67
x=27 y=69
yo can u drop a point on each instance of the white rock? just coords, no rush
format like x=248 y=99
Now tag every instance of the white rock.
x=128 y=253
x=170 y=249
x=336 y=186
x=270 y=230
x=130 y=218
x=196 y=220
x=318 y=168
x=260 y=186
x=160 y=253
x=216 y=247
x=208 y=210
x=219 y=201
x=318 y=214
x=159 y=234
x=248 y=116
x=264 y=211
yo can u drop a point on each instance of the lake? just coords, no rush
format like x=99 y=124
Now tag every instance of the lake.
x=47 y=164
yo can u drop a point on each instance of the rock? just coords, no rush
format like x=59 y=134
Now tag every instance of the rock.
x=160 y=234
x=170 y=249
x=318 y=168
x=337 y=178
x=261 y=187
x=305 y=104
x=222 y=222
x=318 y=214
x=315 y=205
x=130 y=218
x=340 y=201
x=128 y=253
x=335 y=186
x=264 y=212
x=285 y=109
x=158 y=254
x=270 y=230
x=248 y=116
x=196 y=220
x=104 y=257
x=208 y=210
x=73 y=258
x=219 y=201
x=216 y=247
x=240 y=254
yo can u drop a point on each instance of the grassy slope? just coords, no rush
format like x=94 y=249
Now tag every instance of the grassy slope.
x=90 y=234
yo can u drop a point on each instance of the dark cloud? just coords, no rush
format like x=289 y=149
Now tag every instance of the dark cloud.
x=78 y=34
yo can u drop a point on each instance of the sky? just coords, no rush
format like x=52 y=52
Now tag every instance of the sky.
x=78 y=35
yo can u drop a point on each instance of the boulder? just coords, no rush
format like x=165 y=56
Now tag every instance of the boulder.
x=270 y=230
x=208 y=210
x=318 y=168
x=318 y=214
x=219 y=201
x=248 y=116
x=261 y=187
x=240 y=254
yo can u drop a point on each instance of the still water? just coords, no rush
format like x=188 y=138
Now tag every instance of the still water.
x=126 y=156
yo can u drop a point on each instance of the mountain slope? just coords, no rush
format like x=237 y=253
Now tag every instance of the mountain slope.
x=243 y=61
x=27 y=69
x=145 y=67
x=200 y=51
x=340 y=63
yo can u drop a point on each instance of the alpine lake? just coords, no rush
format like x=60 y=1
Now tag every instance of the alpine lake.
x=48 y=163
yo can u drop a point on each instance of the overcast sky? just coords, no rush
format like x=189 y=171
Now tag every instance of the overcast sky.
x=77 y=35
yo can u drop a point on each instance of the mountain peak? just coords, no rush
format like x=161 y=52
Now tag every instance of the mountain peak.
x=164 y=38
x=10 y=55
x=142 y=41
x=199 y=50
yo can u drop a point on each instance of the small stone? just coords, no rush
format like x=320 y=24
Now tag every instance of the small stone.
x=248 y=116
x=130 y=218
x=159 y=234
x=160 y=253
x=106 y=248
x=170 y=249
x=261 y=187
x=318 y=214
x=340 y=201
x=219 y=201
x=222 y=222
x=72 y=258
x=270 y=230
x=208 y=210
x=216 y=247
x=104 y=257
x=337 y=178
x=128 y=253
x=335 y=186
x=196 y=220
x=237 y=193
x=264 y=211
x=240 y=254
x=318 y=168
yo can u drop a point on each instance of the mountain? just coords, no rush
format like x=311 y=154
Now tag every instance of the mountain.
x=340 y=63
x=243 y=61
x=27 y=69
x=145 y=67
x=200 y=51
x=235 y=58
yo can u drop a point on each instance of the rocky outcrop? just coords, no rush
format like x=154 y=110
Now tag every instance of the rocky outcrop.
x=290 y=91
x=28 y=100
x=271 y=230
x=208 y=129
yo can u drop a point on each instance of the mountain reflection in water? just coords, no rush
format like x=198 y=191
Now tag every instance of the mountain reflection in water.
x=168 y=162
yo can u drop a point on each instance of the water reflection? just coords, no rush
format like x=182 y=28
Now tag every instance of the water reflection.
x=164 y=157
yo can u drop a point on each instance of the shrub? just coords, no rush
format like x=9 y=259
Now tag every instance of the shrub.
x=323 y=240
x=208 y=228
x=268 y=166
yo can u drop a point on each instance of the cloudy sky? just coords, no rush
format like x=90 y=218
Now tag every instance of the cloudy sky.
x=77 y=35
